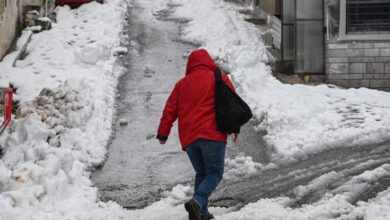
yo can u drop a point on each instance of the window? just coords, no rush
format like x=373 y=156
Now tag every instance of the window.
x=364 y=20
x=365 y=16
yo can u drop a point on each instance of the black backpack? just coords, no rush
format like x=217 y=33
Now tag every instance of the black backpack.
x=231 y=111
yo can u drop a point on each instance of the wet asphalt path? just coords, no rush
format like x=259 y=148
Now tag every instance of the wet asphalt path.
x=138 y=169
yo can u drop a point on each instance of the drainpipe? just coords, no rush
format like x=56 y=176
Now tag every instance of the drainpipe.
x=46 y=8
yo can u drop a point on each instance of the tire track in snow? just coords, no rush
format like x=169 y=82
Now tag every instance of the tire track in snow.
x=336 y=167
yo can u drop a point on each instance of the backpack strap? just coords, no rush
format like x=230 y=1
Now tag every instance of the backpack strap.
x=218 y=75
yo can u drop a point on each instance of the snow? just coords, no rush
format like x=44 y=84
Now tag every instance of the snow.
x=8 y=61
x=66 y=85
x=35 y=28
x=44 y=19
x=123 y=122
x=378 y=209
x=332 y=206
x=242 y=167
x=299 y=120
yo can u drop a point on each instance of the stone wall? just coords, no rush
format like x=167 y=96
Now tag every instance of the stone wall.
x=8 y=25
x=358 y=64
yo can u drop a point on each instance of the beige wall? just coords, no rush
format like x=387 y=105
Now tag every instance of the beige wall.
x=33 y=2
x=8 y=24
x=9 y=21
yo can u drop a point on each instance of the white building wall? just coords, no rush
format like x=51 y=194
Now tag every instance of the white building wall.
x=8 y=25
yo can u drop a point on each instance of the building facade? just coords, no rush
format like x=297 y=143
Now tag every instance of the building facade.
x=9 y=21
x=358 y=43
x=347 y=42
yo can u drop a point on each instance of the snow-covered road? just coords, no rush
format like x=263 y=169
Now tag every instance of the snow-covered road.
x=319 y=174
x=310 y=153
x=138 y=168
x=312 y=178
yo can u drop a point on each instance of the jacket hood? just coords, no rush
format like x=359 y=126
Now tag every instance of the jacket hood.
x=200 y=58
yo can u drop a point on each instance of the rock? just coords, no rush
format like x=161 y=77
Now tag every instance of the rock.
x=119 y=51
x=123 y=122
x=150 y=136
x=30 y=18
x=41 y=101
x=69 y=97
x=44 y=22
x=36 y=29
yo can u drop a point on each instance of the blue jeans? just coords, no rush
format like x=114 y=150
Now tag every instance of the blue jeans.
x=208 y=159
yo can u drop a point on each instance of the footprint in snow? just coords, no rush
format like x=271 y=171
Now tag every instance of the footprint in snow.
x=150 y=136
x=148 y=96
x=148 y=72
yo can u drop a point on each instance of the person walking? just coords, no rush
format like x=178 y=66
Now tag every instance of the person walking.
x=192 y=102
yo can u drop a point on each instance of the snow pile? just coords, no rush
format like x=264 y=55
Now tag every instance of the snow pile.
x=242 y=167
x=298 y=119
x=333 y=205
x=60 y=132
x=170 y=207
x=378 y=209
x=5 y=174
x=92 y=54
x=10 y=58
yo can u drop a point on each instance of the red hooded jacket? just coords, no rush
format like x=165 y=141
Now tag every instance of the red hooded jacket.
x=192 y=102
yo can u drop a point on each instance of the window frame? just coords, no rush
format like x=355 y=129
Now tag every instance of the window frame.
x=343 y=28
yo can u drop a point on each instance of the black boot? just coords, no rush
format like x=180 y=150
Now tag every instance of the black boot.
x=193 y=210
x=206 y=216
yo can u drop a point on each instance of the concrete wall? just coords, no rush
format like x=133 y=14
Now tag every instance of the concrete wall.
x=8 y=25
x=358 y=64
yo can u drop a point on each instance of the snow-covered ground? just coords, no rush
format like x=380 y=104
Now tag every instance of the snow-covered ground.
x=61 y=131
x=66 y=85
x=298 y=119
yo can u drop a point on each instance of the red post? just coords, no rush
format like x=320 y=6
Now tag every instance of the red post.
x=8 y=100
